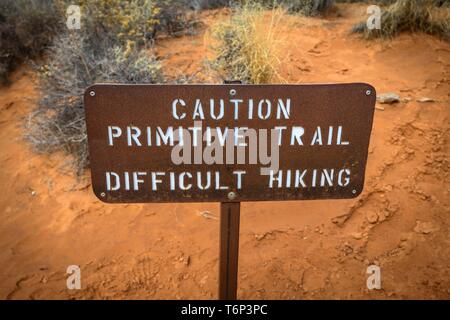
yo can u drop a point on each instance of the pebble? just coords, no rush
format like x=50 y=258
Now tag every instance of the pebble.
x=357 y=235
x=425 y=99
x=203 y=281
x=423 y=227
x=388 y=98
x=372 y=217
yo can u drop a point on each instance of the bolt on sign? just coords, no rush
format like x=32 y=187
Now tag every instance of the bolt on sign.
x=195 y=143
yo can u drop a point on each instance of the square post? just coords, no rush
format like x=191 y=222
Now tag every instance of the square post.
x=229 y=249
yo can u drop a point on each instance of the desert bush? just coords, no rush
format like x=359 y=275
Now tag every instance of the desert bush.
x=245 y=45
x=136 y=22
x=26 y=29
x=308 y=7
x=305 y=7
x=177 y=17
x=439 y=3
x=208 y=4
x=412 y=16
x=113 y=45
x=378 y=2
x=74 y=64
x=128 y=23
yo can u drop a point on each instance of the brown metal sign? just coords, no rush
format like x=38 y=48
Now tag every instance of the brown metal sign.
x=196 y=143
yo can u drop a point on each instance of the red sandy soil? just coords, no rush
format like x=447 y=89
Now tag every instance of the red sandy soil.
x=288 y=250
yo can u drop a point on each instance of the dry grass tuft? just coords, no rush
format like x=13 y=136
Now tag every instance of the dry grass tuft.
x=246 y=45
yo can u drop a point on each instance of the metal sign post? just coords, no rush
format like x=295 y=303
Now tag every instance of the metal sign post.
x=229 y=249
x=230 y=216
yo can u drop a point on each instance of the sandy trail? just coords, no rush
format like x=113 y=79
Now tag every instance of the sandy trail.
x=292 y=250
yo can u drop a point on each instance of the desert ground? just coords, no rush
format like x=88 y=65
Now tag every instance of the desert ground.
x=51 y=219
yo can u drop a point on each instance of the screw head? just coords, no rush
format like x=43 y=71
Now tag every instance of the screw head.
x=232 y=195
x=103 y=194
x=354 y=191
x=92 y=93
x=368 y=92
x=233 y=92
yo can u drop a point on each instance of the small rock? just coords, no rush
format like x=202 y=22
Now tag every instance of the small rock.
x=259 y=236
x=207 y=215
x=372 y=217
x=348 y=249
x=203 y=281
x=382 y=215
x=388 y=98
x=425 y=99
x=424 y=227
x=357 y=235
x=379 y=108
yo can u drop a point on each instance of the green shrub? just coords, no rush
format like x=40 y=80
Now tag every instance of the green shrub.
x=135 y=22
x=308 y=7
x=113 y=45
x=75 y=63
x=207 y=4
x=26 y=29
x=411 y=16
x=305 y=7
x=176 y=17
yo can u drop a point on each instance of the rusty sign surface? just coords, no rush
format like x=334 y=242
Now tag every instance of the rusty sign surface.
x=196 y=143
